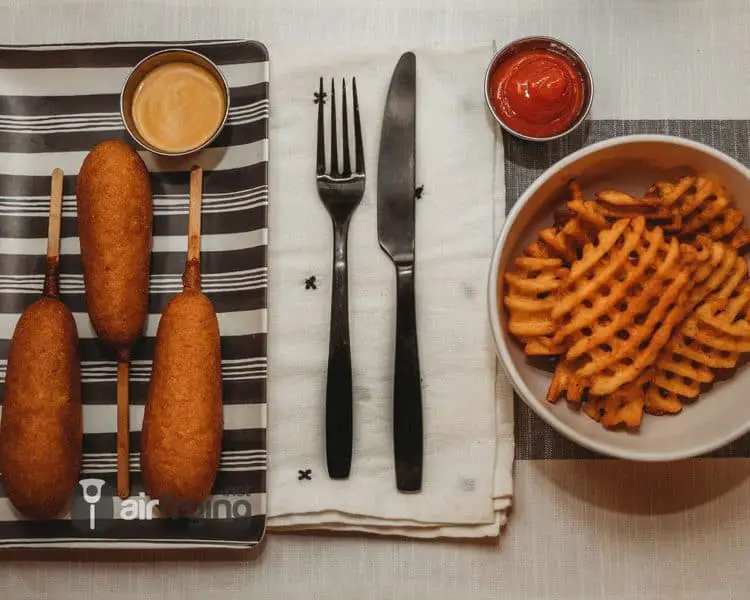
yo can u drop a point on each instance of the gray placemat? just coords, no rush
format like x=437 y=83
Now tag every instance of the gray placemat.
x=525 y=161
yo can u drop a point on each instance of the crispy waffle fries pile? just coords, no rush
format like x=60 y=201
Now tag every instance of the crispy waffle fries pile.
x=643 y=300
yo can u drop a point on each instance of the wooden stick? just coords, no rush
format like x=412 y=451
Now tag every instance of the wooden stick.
x=123 y=427
x=55 y=214
x=194 y=218
x=51 y=279
x=191 y=278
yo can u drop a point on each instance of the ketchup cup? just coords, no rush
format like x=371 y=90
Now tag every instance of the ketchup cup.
x=538 y=88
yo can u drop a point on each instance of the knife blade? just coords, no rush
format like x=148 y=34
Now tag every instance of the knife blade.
x=396 y=231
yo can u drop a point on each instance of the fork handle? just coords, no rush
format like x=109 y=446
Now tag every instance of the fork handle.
x=407 y=389
x=339 y=432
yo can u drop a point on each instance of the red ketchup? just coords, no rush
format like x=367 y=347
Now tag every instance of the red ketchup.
x=537 y=93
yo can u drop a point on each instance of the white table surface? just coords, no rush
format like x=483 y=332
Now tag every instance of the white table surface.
x=605 y=529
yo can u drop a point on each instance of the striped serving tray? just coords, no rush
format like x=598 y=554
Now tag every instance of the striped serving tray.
x=56 y=102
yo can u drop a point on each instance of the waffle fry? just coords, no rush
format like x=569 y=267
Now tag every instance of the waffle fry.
x=620 y=302
x=687 y=363
x=622 y=407
x=563 y=242
x=565 y=383
x=644 y=300
x=532 y=285
x=721 y=266
x=530 y=296
x=690 y=206
x=713 y=338
x=576 y=311
x=739 y=239
x=699 y=205
x=659 y=401
x=612 y=205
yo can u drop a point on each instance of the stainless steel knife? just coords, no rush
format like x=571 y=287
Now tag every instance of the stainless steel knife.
x=396 y=215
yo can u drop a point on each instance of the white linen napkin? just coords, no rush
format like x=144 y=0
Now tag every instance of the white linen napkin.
x=468 y=444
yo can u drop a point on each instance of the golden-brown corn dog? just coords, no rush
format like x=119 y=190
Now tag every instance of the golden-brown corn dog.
x=115 y=213
x=183 y=423
x=41 y=427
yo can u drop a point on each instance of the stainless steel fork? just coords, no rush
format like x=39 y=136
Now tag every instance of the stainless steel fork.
x=341 y=192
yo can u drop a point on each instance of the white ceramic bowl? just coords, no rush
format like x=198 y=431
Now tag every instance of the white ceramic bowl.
x=628 y=163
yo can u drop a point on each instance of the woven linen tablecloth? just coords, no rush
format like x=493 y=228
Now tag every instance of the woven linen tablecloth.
x=582 y=527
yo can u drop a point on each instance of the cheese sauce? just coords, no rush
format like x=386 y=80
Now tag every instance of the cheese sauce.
x=178 y=106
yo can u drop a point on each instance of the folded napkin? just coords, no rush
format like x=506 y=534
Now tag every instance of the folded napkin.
x=468 y=444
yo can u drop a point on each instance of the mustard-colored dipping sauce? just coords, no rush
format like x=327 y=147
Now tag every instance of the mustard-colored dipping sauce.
x=178 y=106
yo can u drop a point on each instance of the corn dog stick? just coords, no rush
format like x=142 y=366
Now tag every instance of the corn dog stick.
x=51 y=279
x=123 y=427
x=191 y=279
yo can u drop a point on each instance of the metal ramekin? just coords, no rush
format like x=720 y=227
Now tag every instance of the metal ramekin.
x=541 y=43
x=147 y=65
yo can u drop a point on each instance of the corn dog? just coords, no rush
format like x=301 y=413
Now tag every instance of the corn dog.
x=115 y=213
x=41 y=427
x=182 y=426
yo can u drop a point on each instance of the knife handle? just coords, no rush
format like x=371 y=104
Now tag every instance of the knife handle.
x=339 y=433
x=407 y=389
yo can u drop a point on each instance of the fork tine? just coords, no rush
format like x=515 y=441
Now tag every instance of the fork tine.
x=334 y=147
x=321 y=168
x=359 y=153
x=345 y=132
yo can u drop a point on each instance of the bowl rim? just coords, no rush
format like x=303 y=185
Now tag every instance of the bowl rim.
x=497 y=329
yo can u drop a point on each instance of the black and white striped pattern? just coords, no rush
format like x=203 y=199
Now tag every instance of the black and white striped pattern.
x=104 y=371
x=161 y=283
x=108 y=121
x=56 y=102
x=231 y=461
